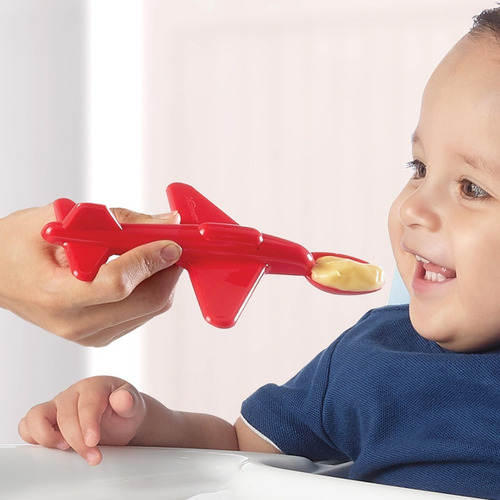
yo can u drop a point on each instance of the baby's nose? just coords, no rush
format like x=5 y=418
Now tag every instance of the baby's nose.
x=421 y=208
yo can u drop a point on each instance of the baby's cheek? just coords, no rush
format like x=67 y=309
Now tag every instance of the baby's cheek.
x=394 y=224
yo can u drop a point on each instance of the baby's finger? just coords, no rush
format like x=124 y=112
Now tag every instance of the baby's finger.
x=91 y=406
x=69 y=425
x=123 y=417
x=24 y=432
x=39 y=427
x=126 y=402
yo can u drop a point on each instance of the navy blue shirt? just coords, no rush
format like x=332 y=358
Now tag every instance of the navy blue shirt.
x=406 y=411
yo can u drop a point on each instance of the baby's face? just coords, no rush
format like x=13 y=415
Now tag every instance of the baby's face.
x=445 y=224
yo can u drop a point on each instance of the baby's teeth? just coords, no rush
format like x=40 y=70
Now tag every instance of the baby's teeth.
x=430 y=276
x=421 y=259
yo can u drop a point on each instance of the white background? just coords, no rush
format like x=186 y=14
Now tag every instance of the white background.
x=293 y=116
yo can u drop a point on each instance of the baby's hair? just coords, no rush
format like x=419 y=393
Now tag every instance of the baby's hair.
x=487 y=23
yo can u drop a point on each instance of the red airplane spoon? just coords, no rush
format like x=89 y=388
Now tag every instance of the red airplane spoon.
x=225 y=261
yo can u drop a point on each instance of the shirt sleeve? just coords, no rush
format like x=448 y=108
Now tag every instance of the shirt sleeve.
x=291 y=416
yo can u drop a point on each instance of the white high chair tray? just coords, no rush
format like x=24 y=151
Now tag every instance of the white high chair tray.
x=32 y=472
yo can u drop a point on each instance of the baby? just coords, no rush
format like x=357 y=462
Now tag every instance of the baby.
x=410 y=394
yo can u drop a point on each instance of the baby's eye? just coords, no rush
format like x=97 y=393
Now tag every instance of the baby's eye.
x=419 y=169
x=471 y=190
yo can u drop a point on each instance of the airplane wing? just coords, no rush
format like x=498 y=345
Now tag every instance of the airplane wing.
x=193 y=207
x=223 y=288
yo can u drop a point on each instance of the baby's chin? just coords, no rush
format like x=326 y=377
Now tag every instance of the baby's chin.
x=434 y=329
x=450 y=336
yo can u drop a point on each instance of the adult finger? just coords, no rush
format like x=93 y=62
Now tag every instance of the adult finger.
x=125 y=216
x=117 y=279
x=101 y=324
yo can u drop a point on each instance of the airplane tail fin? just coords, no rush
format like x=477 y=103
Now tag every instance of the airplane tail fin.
x=90 y=216
x=62 y=207
x=85 y=260
x=85 y=257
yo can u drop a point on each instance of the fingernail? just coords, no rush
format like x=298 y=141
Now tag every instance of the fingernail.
x=63 y=446
x=171 y=252
x=92 y=457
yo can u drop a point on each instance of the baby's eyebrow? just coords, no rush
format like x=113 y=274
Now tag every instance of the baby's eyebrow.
x=481 y=164
x=477 y=163
x=416 y=140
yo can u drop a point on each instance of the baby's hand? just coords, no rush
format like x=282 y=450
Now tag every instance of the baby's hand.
x=97 y=410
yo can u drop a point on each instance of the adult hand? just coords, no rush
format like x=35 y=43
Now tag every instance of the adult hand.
x=37 y=285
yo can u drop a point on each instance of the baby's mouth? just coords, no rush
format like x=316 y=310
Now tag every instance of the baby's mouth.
x=434 y=272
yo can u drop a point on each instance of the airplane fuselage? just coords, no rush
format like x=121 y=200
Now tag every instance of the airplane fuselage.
x=203 y=242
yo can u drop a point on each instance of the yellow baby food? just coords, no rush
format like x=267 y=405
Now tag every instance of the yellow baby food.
x=347 y=275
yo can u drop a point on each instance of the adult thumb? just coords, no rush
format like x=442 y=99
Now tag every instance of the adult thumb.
x=140 y=263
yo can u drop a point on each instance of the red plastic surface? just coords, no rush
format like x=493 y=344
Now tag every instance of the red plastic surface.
x=225 y=261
